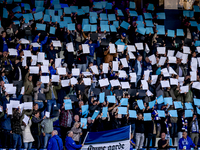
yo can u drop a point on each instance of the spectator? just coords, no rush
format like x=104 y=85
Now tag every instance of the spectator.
x=186 y=142
x=55 y=143
x=163 y=143
x=69 y=142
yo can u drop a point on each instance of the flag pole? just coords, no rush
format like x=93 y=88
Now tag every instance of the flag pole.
x=85 y=138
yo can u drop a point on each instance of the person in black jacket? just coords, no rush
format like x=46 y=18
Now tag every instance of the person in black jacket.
x=163 y=143
x=151 y=132
x=35 y=128
x=139 y=129
x=81 y=59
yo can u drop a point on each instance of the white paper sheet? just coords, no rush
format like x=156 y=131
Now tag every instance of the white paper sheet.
x=152 y=58
x=27 y=53
x=45 y=79
x=122 y=74
x=24 y=41
x=186 y=49
x=115 y=66
x=154 y=79
x=73 y=81
x=173 y=81
x=144 y=85
x=61 y=71
x=105 y=67
x=55 y=78
x=87 y=81
x=9 y=107
x=56 y=43
x=125 y=85
x=47 y=114
x=172 y=59
x=35 y=45
x=103 y=82
x=133 y=77
x=146 y=74
x=14 y=103
x=139 y=46
x=34 y=69
x=184 y=58
x=58 y=62
x=184 y=89
x=161 y=50
x=179 y=55
x=131 y=55
x=46 y=63
x=45 y=69
x=149 y=93
x=112 y=48
x=170 y=53
x=165 y=84
x=34 y=60
x=193 y=75
x=94 y=69
x=131 y=48
x=22 y=91
x=86 y=49
x=124 y=62
x=75 y=72
x=65 y=83
x=70 y=47
x=41 y=56
x=120 y=48
x=162 y=61
x=114 y=83
x=12 y=52
x=26 y=119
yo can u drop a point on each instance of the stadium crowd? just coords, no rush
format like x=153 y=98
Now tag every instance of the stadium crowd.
x=70 y=67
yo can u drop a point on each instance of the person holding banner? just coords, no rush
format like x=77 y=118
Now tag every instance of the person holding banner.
x=69 y=142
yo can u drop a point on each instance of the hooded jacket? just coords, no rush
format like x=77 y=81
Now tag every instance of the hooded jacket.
x=70 y=144
x=55 y=143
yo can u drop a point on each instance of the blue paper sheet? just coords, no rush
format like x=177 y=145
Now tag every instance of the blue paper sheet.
x=52 y=30
x=149 y=23
x=27 y=17
x=197 y=43
x=119 y=42
x=133 y=13
x=141 y=30
x=86 y=28
x=113 y=28
x=55 y=18
x=18 y=15
x=95 y=114
x=38 y=9
x=64 y=5
x=152 y=103
x=84 y=109
x=85 y=21
x=105 y=28
x=149 y=30
x=68 y=19
x=39 y=3
x=198 y=110
x=60 y=12
x=16 y=9
x=111 y=17
x=196 y=8
x=120 y=13
x=74 y=9
x=38 y=15
x=193 y=23
x=68 y=104
x=196 y=101
x=67 y=10
x=150 y=7
x=103 y=23
x=122 y=110
x=46 y=18
x=161 y=15
x=170 y=33
x=188 y=113
x=105 y=111
x=140 y=104
x=93 y=28
x=132 y=114
x=116 y=24
x=97 y=5
x=57 y=7
x=84 y=121
x=161 y=113
x=179 y=32
x=168 y=100
x=93 y=20
x=147 y=116
x=160 y=99
x=173 y=113
x=71 y=26
x=124 y=101
x=188 y=106
x=41 y=27
x=108 y=6
x=161 y=29
x=178 y=105
x=17 y=22
x=50 y=12
x=140 y=24
x=125 y=25
x=63 y=24
x=85 y=9
x=9 y=1
x=103 y=16
x=111 y=99
x=147 y=16
x=93 y=14
x=27 y=7
x=140 y=18
x=132 y=5
x=80 y=12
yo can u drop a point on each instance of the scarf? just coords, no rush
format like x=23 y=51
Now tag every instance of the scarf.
x=183 y=122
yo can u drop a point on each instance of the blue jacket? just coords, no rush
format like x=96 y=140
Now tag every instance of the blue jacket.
x=70 y=144
x=186 y=142
x=42 y=43
x=53 y=143
x=92 y=47
x=6 y=122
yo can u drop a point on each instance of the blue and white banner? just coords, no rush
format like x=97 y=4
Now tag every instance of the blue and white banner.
x=118 y=139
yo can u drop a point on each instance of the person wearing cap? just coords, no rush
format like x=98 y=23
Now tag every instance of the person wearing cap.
x=55 y=143
x=185 y=143
x=69 y=142
x=123 y=38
